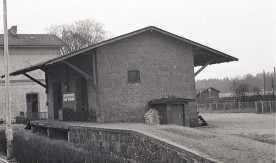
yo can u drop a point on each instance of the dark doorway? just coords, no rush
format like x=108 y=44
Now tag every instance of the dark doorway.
x=32 y=104
x=177 y=114
x=81 y=93
x=57 y=98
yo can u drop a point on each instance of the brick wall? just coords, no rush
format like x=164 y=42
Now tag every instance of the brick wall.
x=166 y=69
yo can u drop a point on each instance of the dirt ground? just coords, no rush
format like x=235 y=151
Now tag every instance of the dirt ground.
x=259 y=127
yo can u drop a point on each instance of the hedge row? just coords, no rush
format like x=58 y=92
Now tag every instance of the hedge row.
x=3 y=142
x=33 y=148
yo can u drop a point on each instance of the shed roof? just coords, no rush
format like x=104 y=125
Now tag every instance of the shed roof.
x=170 y=100
x=202 y=53
x=32 y=40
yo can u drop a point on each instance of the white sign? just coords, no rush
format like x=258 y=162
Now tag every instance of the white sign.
x=69 y=97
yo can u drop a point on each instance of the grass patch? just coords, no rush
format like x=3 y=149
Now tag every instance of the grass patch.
x=3 y=141
x=42 y=149
x=29 y=147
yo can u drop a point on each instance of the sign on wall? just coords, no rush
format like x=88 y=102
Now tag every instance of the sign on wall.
x=69 y=97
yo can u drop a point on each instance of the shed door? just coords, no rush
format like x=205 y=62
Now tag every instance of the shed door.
x=177 y=114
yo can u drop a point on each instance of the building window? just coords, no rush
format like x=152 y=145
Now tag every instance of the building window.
x=32 y=102
x=133 y=76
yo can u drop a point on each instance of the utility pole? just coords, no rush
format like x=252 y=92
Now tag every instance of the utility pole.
x=274 y=80
x=264 y=83
x=9 y=134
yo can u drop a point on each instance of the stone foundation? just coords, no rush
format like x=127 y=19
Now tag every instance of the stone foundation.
x=133 y=146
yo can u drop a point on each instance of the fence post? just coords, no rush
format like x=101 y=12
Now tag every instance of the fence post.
x=216 y=106
x=270 y=107
x=210 y=107
x=262 y=103
x=223 y=106
x=239 y=106
x=256 y=106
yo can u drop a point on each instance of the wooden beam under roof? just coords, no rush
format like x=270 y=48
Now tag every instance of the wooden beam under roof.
x=86 y=75
x=33 y=79
x=55 y=77
x=206 y=64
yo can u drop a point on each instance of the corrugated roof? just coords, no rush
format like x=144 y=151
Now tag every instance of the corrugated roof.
x=203 y=55
x=32 y=40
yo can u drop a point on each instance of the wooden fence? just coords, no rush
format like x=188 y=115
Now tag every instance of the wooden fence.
x=236 y=107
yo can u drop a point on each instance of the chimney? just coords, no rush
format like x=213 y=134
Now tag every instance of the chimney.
x=13 y=31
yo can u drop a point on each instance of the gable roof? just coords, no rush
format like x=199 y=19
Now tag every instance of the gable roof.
x=207 y=89
x=212 y=89
x=32 y=40
x=202 y=53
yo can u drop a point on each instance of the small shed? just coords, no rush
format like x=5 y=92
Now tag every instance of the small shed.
x=208 y=95
x=171 y=110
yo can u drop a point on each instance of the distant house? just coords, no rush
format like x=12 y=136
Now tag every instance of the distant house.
x=208 y=95
x=120 y=79
x=26 y=50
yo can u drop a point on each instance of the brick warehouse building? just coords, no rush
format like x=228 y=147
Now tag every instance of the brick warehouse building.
x=121 y=78
x=26 y=50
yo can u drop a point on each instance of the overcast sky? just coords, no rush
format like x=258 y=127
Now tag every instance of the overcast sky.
x=242 y=28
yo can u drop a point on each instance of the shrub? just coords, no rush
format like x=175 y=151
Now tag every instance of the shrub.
x=42 y=149
x=3 y=142
x=33 y=148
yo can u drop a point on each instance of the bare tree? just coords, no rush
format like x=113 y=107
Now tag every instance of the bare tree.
x=257 y=90
x=79 y=34
x=240 y=89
